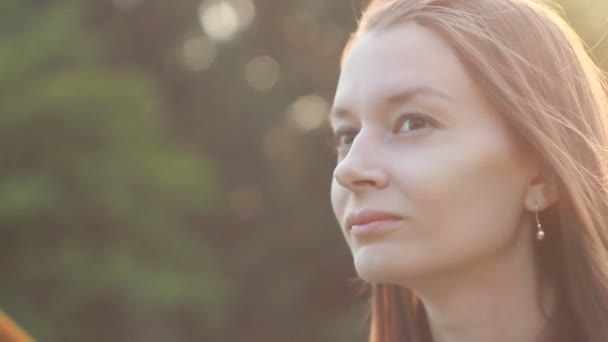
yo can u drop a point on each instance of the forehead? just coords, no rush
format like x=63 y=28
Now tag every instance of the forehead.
x=406 y=55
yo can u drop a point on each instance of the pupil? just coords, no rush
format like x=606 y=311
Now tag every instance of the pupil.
x=413 y=124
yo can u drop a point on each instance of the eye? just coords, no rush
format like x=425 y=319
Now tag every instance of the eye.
x=344 y=137
x=413 y=121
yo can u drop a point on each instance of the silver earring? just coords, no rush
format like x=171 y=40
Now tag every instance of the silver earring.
x=540 y=234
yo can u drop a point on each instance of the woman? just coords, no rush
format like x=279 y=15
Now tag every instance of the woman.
x=471 y=177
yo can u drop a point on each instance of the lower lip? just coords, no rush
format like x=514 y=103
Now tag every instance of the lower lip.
x=372 y=228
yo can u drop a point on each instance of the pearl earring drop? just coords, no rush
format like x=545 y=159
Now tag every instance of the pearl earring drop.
x=540 y=234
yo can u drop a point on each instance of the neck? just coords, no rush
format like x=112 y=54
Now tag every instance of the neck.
x=497 y=301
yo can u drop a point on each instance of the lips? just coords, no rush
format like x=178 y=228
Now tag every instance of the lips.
x=367 y=216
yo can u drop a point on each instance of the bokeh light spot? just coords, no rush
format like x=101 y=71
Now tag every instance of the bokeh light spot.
x=199 y=53
x=309 y=111
x=223 y=19
x=262 y=72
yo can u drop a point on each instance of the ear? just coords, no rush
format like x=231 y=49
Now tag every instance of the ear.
x=542 y=188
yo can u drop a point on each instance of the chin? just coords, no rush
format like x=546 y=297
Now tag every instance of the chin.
x=379 y=264
x=375 y=264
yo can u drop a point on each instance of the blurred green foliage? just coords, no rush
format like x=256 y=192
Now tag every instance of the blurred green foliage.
x=144 y=200
x=95 y=196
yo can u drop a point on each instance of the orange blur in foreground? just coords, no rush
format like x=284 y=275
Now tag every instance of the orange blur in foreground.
x=10 y=331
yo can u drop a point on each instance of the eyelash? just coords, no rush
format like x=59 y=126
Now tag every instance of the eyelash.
x=343 y=132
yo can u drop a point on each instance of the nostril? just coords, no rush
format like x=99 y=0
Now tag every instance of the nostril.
x=364 y=182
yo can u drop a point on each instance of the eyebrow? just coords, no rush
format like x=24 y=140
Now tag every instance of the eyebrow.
x=396 y=99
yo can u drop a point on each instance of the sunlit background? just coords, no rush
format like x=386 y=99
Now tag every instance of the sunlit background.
x=165 y=171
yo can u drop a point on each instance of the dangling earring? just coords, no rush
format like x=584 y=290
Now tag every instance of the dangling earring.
x=540 y=234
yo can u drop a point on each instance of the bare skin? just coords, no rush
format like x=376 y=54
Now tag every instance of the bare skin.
x=417 y=140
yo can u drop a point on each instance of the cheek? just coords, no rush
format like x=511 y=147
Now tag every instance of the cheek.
x=339 y=201
x=465 y=194
x=461 y=176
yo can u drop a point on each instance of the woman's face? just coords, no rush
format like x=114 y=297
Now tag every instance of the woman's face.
x=427 y=173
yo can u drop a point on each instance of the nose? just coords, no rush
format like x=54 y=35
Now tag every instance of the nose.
x=362 y=167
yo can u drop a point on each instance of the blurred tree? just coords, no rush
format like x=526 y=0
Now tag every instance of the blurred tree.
x=96 y=199
x=284 y=257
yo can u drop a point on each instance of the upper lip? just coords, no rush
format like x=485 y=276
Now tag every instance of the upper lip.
x=364 y=216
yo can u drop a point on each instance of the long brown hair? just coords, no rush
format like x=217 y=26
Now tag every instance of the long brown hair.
x=537 y=73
